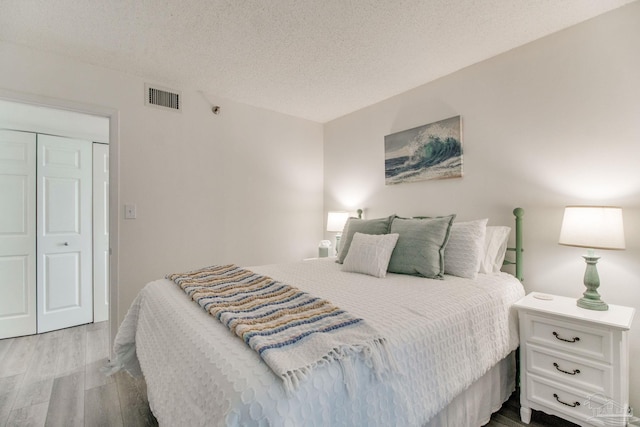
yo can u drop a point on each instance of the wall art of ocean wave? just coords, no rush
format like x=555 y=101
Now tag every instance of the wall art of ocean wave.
x=428 y=158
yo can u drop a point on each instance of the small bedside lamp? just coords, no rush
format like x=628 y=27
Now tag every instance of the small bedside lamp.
x=335 y=224
x=592 y=227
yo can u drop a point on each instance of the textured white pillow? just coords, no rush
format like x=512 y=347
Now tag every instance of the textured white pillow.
x=495 y=249
x=464 y=251
x=370 y=254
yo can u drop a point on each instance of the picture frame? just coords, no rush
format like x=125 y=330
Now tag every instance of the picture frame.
x=428 y=152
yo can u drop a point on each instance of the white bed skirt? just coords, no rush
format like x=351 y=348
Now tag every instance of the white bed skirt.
x=484 y=397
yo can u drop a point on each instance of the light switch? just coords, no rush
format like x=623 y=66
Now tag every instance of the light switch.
x=130 y=211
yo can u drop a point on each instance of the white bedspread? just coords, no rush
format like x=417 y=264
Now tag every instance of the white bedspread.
x=444 y=334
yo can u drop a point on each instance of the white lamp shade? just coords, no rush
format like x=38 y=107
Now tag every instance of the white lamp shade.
x=596 y=227
x=336 y=221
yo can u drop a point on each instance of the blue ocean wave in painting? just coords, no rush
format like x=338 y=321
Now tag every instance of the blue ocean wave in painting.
x=435 y=151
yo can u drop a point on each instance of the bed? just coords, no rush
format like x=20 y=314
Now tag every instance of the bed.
x=451 y=343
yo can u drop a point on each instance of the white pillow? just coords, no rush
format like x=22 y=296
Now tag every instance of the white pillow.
x=370 y=254
x=495 y=249
x=464 y=251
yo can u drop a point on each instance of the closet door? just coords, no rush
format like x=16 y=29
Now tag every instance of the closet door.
x=17 y=233
x=64 y=216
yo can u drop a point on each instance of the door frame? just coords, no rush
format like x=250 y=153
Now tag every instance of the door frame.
x=114 y=173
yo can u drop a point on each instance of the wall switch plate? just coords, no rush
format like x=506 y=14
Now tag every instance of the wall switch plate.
x=130 y=211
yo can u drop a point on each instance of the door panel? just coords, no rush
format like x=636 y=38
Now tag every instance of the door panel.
x=64 y=215
x=100 y=232
x=17 y=233
x=62 y=206
x=61 y=283
x=14 y=199
x=15 y=289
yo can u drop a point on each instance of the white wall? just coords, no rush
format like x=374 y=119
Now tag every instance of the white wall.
x=243 y=187
x=553 y=123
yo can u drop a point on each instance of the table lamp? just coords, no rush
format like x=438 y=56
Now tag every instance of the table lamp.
x=335 y=224
x=592 y=227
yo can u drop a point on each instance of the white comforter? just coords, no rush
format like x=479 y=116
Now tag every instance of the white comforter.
x=443 y=334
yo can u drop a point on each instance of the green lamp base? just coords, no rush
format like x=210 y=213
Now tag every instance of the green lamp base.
x=590 y=304
x=591 y=298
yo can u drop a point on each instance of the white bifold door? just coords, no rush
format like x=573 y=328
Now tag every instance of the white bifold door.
x=17 y=233
x=46 y=273
x=45 y=233
x=64 y=232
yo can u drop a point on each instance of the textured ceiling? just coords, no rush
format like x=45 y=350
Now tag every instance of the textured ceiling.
x=316 y=59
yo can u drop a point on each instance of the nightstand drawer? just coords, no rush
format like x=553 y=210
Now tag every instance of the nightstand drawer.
x=580 y=339
x=593 y=376
x=575 y=403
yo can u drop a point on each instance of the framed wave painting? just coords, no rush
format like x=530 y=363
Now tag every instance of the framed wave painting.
x=432 y=151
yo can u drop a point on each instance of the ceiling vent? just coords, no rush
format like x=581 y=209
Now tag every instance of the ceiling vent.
x=160 y=97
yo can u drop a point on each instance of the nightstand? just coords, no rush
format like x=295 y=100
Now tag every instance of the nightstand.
x=574 y=363
x=324 y=258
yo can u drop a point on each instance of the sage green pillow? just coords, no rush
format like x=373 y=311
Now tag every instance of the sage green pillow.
x=364 y=226
x=420 y=246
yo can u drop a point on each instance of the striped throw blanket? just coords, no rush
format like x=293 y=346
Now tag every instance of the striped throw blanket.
x=292 y=331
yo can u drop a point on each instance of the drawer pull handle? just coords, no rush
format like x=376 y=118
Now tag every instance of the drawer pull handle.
x=573 y=405
x=574 y=339
x=575 y=371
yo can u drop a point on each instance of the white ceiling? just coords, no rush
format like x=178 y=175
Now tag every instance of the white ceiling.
x=315 y=59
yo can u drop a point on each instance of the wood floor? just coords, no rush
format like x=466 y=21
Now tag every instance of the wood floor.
x=509 y=415
x=54 y=379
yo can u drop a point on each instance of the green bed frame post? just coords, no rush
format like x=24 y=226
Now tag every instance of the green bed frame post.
x=518 y=249
x=519 y=213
